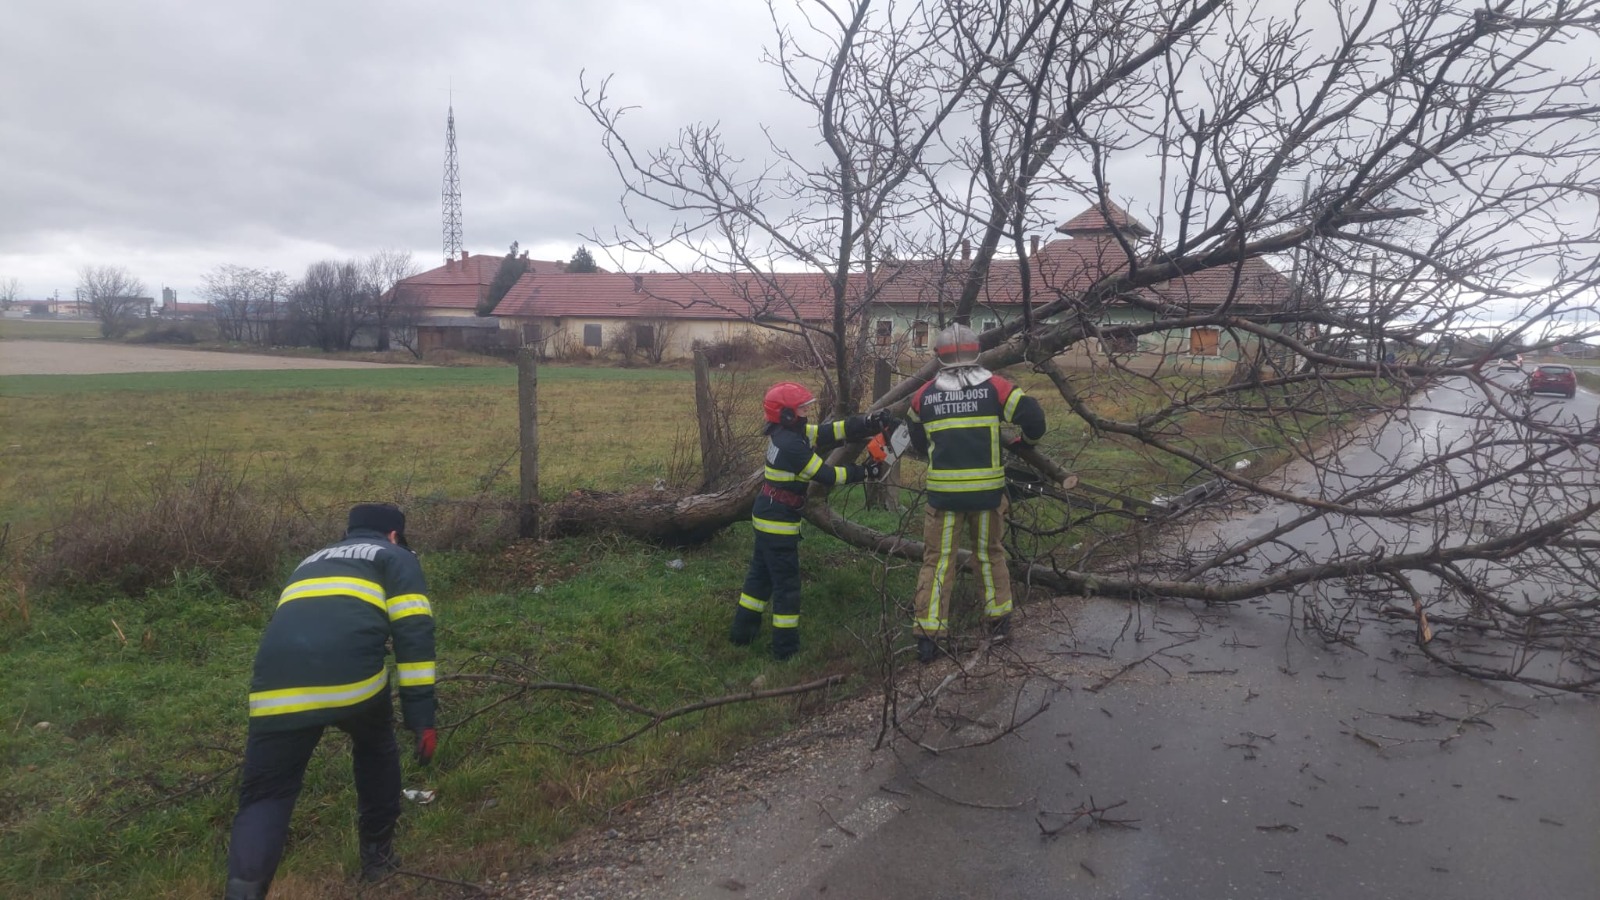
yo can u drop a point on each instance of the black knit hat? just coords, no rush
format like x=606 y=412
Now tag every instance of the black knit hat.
x=380 y=517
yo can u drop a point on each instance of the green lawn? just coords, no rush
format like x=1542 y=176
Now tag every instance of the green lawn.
x=38 y=329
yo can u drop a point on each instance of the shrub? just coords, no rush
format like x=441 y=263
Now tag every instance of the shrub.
x=740 y=349
x=200 y=516
x=173 y=333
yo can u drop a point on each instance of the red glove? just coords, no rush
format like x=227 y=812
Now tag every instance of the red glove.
x=427 y=742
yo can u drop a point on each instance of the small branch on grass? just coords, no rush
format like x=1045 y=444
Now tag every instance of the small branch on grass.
x=655 y=717
x=410 y=873
x=170 y=798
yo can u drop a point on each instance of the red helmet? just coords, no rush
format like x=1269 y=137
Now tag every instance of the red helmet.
x=786 y=395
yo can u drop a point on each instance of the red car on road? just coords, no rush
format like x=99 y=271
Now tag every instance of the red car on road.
x=1553 y=379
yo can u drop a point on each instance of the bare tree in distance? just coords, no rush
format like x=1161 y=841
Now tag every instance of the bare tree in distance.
x=10 y=292
x=114 y=296
x=1418 y=168
x=244 y=301
x=331 y=303
x=391 y=313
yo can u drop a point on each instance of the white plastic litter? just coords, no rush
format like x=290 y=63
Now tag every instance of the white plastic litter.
x=416 y=796
x=1241 y=465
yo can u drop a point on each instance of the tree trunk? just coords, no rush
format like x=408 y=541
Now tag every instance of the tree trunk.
x=711 y=462
x=651 y=516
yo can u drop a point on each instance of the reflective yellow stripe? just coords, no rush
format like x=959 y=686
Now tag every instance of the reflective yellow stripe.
x=934 y=622
x=301 y=699
x=415 y=674
x=360 y=588
x=840 y=475
x=985 y=574
x=785 y=621
x=1012 y=401
x=781 y=475
x=752 y=604
x=838 y=430
x=409 y=605
x=774 y=527
x=811 y=433
x=812 y=467
x=988 y=422
x=956 y=485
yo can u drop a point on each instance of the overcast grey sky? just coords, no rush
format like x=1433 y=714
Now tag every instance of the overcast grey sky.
x=169 y=136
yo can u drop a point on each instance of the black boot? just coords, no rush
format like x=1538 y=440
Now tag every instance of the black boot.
x=927 y=650
x=999 y=629
x=239 y=889
x=746 y=625
x=377 y=859
x=785 y=643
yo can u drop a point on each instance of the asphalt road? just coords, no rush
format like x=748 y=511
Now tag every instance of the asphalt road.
x=1189 y=753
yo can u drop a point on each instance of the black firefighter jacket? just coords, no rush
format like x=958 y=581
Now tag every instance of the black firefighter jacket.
x=959 y=430
x=324 y=650
x=792 y=466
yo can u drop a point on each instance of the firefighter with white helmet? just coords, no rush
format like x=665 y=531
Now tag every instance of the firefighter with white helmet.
x=791 y=465
x=955 y=420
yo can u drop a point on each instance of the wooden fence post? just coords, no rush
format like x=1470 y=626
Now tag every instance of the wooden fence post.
x=528 y=440
x=711 y=458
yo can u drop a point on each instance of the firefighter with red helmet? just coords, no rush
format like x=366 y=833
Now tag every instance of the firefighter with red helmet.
x=791 y=465
x=955 y=420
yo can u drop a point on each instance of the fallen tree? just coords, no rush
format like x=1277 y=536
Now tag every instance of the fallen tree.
x=1348 y=196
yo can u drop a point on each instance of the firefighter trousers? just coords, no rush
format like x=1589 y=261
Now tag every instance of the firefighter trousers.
x=274 y=770
x=941 y=536
x=773 y=579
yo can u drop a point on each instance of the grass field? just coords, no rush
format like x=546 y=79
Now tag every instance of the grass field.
x=35 y=329
x=127 y=790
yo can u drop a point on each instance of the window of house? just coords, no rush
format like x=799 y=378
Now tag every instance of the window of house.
x=919 y=335
x=1203 y=341
x=989 y=325
x=591 y=336
x=532 y=334
x=1119 y=342
x=885 y=332
x=644 y=337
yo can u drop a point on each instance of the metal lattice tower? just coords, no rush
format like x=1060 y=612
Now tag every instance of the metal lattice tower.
x=452 y=191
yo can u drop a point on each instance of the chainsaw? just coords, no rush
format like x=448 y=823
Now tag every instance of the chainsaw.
x=886 y=448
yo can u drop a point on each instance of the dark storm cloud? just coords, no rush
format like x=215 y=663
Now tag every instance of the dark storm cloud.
x=174 y=136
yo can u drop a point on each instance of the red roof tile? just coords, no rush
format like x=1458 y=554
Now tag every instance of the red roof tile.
x=1092 y=221
x=678 y=295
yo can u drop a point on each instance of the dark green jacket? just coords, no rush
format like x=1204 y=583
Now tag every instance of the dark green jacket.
x=325 y=649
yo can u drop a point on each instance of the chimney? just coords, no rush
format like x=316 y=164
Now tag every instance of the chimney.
x=524 y=255
x=1033 y=241
x=463 y=256
x=638 y=283
x=966 y=250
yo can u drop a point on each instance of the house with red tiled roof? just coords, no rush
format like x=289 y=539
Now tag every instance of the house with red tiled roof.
x=668 y=314
x=443 y=302
x=1089 y=250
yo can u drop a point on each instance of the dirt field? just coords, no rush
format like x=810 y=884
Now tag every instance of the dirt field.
x=94 y=358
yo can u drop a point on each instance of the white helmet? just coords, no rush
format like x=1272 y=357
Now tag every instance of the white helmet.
x=956 y=346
